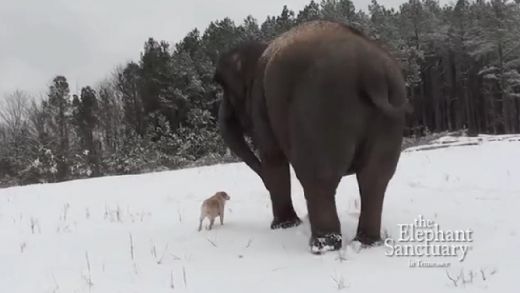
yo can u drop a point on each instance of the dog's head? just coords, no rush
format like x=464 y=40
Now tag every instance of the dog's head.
x=223 y=195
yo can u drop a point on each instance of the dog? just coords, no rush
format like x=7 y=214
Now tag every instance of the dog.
x=213 y=207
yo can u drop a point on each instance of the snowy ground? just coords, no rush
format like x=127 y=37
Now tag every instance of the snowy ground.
x=138 y=233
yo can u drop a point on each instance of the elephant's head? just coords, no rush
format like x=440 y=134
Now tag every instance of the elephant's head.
x=235 y=73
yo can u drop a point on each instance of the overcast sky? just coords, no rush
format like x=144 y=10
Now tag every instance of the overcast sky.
x=85 y=39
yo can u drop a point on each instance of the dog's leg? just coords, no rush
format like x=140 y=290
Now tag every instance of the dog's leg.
x=211 y=221
x=200 y=223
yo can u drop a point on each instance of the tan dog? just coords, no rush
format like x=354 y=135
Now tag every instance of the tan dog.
x=213 y=207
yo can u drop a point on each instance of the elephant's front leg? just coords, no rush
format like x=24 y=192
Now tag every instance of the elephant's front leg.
x=277 y=179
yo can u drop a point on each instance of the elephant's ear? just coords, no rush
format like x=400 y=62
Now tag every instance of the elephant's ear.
x=233 y=135
x=237 y=62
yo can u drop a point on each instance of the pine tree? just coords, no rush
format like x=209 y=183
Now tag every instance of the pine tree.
x=58 y=108
x=128 y=83
x=110 y=115
x=155 y=79
x=285 y=21
x=310 y=12
x=86 y=122
x=219 y=37
x=338 y=10
x=250 y=29
x=190 y=44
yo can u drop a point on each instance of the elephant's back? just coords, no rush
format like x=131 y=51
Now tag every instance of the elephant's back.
x=314 y=40
x=329 y=55
x=309 y=33
x=317 y=48
x=322 y=54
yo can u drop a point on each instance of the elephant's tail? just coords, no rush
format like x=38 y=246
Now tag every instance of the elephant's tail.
x=389 y=94
x=382 y=103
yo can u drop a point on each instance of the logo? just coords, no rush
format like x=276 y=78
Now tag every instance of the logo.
x=425 y=238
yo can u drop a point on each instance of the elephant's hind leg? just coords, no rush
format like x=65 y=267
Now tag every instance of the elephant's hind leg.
x=319 y=178
x=373 y=179
x=321 y=204
x=372 y=192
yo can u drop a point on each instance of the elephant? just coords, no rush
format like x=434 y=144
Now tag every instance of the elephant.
x=330 y=102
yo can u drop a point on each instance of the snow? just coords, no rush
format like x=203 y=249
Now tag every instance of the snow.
x=139 y=233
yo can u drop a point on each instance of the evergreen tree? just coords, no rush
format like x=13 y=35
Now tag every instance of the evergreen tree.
x=155 y=79
x=86 y=122
x=285 y=21
x=219 y=37
x=128 y=83
x=310 y=12
x=338 y=10
x=190 y=44
x=251 y=30
x=110 y=115
x=58 y=108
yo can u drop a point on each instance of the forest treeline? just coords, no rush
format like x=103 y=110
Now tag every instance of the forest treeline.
x=461 y=63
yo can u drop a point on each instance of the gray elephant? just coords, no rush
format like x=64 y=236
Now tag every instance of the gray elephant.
x=328 y=101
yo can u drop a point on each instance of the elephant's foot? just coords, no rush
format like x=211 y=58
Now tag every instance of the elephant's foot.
x=284 y=223
x=322 y=244
x=367 y=240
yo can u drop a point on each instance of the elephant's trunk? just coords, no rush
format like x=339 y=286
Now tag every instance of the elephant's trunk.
x=233 y=136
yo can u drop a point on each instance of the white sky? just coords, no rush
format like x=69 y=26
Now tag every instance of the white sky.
x=85 y=39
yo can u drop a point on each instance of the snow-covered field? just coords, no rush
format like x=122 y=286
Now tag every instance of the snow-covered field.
x=139 y=233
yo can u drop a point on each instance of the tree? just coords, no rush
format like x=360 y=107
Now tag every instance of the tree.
x=58 y=108
x=310 y=12
x=250 y=29
x=190 y=44
x=86 y=122
x=128 y=83
x=285 y=21
x=110 y=115
x=15 y=136
x=220 y=36
x=338 y=10
x=155 y=79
